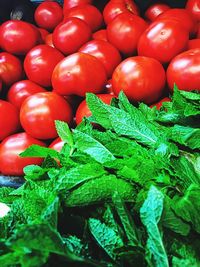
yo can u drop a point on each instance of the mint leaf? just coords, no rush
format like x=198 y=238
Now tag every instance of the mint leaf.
x=39 y=151
x=64 y=132
x=92 y=147
x=150 y=214
x=106 y=237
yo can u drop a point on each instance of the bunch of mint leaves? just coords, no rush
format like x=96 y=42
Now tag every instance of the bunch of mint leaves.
x=123 y=191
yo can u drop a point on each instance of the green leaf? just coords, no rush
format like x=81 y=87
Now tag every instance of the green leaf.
x=92 y=147
x=98 y=190
x=186 y=136
x=34 y=172
x=150 y=214
x=64 y=132
x=105 y=236
x=39 y=151
x=188 y=206
x=68 y=179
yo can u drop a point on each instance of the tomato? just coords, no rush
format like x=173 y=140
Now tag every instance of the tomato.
x=141 y=79
x=100 y=35
x=181 y=15
x=18 y=37
x=194 y=43
x=193 y=6
x=10 y=68
x=88 y=13
x=48 y=15
x=78 y=74
x=10 y=161
x=43 y=34
x=155 y=10
x=105 y=52
x=124 y=32
x=198 y=32
x=39 y=112
x=72 y=3
x=83 y=110
x=40 y=62
x=19 y=91
x=109 y=87
x=115 y=7
x=0 y=85
x=159 y=104
x=57 y=144
x=9 y=119
x=69 y=36
x=49 y=40
x=184 y=71
x=163 y=40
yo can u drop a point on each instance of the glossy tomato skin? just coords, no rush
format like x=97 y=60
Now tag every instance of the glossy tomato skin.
x=48 y=15
x=43 y=34
x=69 y=36
x=83 y=110
x=105 y=52
x=100 y=35
x=78 y=74
x=9 y=119
x=88 y=13
x=124 y=32
x=19 y=91
x=49 y=40
x=10 y=161
x=155 y=10
x=40 y=62
x=163 y=40
x=10 y=68
x=72 y=3
x=108 y=87
x=39 y=112
x=159 y=104
x=184 y=70
x=193 y=6
x=194 y=43
x=115 y=7
x=57 y=144
x=181 y=15
x=198 y=32
x=141 y=79
x=18 y=37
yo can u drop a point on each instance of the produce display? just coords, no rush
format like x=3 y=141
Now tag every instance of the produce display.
x=100 y=117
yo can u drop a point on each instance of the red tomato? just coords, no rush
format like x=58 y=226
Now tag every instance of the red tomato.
x=141 y=79
x=69 y=36
x=109 y=87
x=10 y=161
x=48 y=15
x=184 y=70
x=159 y=104
x=57 y=144
x=124 y=32
x=9 y=119
x=163 y=40
x=194 y=43
x=90 y=14
x=78 y=74
x=105 y=52
x=193 y=6
x=181 y=15
x=155 y=10
x=83 y=110
x=40 y=62
x=198 y=32
x=19 y=91
x=49 y=40
x=43 y=34
x=10 y=68
x=39 y=112
x=115 y=7
x=18 y=37
x=100 y=35
x=72 y=3
x=0 y=85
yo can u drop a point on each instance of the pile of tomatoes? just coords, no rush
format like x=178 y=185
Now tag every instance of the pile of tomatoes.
x=46 y=68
